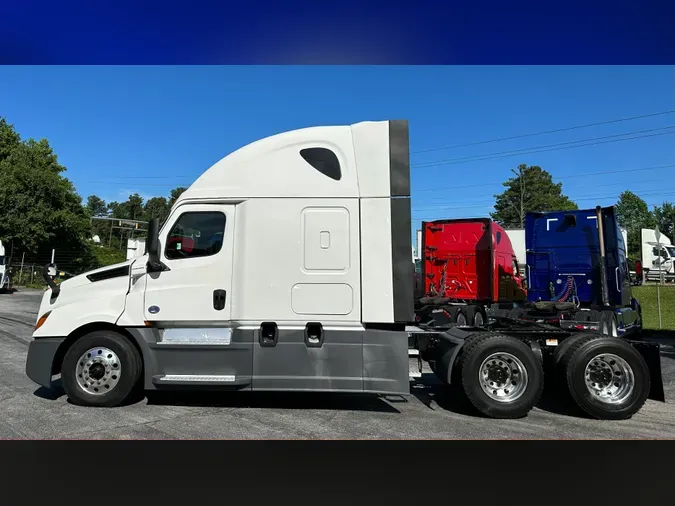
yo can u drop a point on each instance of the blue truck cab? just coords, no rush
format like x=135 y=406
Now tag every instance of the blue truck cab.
x=577 y=268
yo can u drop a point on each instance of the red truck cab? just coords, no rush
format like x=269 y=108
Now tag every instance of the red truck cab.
x=470 y=261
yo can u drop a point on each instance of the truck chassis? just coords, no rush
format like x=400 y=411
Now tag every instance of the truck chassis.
x=501 y=367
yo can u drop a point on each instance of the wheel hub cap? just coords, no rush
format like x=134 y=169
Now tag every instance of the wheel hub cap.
x=609 y=378
x=503 y=377
x=98 y=371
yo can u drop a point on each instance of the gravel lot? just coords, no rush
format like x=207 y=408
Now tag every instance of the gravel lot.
x=27 y=411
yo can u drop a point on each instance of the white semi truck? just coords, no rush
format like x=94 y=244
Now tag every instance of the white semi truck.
x=4 y=271
x=658 y=257
x=286 y=266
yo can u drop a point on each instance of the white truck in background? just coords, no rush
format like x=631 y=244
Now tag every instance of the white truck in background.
x=658 y=257
x=517 y=237
x=4 y=270
x=135 y=248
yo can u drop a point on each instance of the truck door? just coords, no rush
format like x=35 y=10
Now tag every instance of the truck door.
x=190 y=301
x=197 y=248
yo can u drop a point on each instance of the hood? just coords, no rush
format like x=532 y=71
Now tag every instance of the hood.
x=101 y=274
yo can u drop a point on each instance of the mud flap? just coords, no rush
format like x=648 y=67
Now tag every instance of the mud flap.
x=446 y=351
x=651 y=352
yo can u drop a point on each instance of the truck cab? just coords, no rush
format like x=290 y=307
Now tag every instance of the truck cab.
x=273 y=271
x=658 y=257
x=577 y=260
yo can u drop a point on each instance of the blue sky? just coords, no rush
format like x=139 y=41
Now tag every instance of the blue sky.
x=111 y=126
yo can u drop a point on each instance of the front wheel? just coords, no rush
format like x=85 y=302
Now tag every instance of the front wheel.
x=101 y=369
x=500 y=375
x=606 y=377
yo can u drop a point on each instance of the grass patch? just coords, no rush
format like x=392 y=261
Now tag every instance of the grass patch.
x=648 y=299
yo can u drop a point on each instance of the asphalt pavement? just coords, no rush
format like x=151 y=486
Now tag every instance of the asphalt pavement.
x=27 y=411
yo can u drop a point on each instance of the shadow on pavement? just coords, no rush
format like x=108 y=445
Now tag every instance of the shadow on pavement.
x=275 y=400
x=50 y=394
x=430 y=390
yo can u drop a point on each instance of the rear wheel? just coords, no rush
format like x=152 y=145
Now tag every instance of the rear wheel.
x=459 y=315
x=476 y=316
x=500 y=375
x=608 y=325
x=606 y=377
x=101 y=369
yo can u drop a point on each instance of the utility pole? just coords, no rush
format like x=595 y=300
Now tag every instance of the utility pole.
x=522 y=198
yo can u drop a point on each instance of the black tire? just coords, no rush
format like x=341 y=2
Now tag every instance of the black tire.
x=479 y=347
x=563 y=346
x=607 y=324
x=130 y=369
x=573 y=366
x=475 y=315
x=459 y=313
x=589 y=316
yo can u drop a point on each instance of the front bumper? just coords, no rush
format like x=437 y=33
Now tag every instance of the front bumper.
x=40 y=360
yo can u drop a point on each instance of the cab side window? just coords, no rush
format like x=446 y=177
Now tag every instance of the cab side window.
x=195 y=234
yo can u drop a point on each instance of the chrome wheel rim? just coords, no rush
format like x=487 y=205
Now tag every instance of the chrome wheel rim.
x=98 y=371
x=503 y=377
x=609 y=378
x=461 y=319
x=478 y=319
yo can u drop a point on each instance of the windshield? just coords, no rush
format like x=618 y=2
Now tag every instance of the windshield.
x=671 y=250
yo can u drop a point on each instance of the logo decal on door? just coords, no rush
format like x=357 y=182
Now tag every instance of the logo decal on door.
x=153 y=310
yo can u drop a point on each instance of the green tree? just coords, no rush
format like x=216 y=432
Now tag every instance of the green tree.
x=531 y=189
x=175 y=193
x=96 y=206
x=156 y=207
x=39 y=207
x=633 y=214
x=131 y=209
x=664 y=217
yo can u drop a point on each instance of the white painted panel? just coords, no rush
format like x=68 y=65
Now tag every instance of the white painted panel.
x=371 y=150
x=273 y=167
x=269 y=258
x=322 y=299
x=376 y=261
x=517 y=238
x=325 y=238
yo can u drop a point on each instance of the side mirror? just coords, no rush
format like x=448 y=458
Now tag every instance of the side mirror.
x=48 y=271
x=152 y=247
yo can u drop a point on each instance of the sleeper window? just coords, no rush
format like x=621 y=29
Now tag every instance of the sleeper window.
x=195 y=234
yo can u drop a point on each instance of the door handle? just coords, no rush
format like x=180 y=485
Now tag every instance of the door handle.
x=616 y=275
x=219 y=297
x=268 y=335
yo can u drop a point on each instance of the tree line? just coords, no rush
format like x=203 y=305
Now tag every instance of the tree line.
x=531 y=189
x=40 y=209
